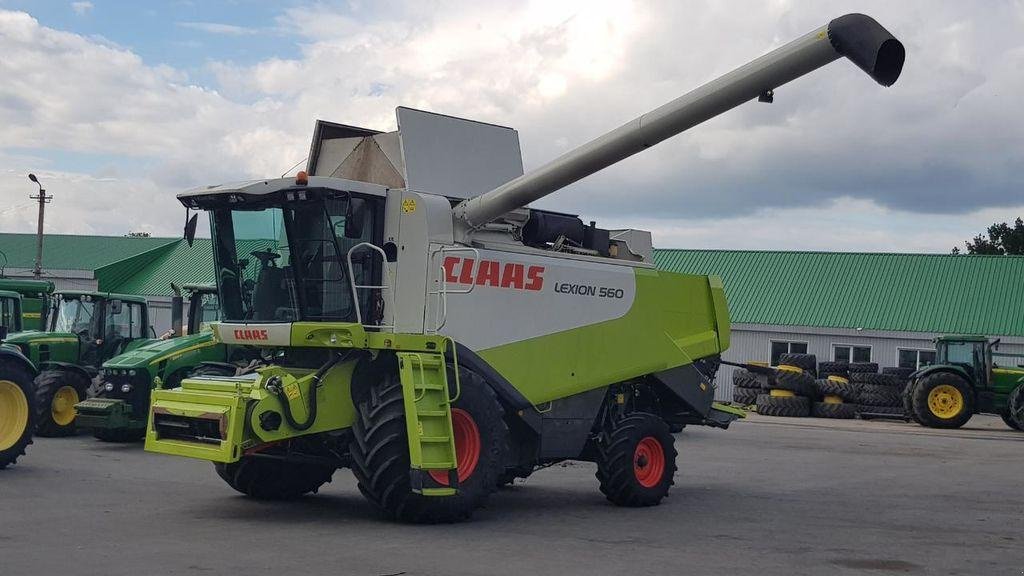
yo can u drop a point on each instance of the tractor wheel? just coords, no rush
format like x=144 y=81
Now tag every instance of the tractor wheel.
x=943 y=400
x=17 y=411
x=863 y=367
x=908 y=402
x=271 y=479
x=792 y=379
x=878 y=395
x=745 y=396
x=57 y=392
x=742 y=378
x=1014 y=416
x=841 y=410
x=637 y=461
x=826 y=369
x=789 y=406
x=808 y=362
x=846 y=391
x=119 y=434
x=380 y=452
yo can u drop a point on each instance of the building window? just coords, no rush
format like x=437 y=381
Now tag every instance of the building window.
x=780 y=347
x=850 y=353
x=915 y=358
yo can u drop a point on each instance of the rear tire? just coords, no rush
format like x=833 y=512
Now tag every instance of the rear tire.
x=17 y=411
x=842 y=411
x=745 y=396
x=57 y=392
x=380 y=452
x=270 y=479
x=786 y=406
x=809 y=362
x=1014 y=417
x=943 y=400
x=637 y=462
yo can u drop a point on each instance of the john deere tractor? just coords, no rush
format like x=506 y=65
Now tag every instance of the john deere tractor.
x=34 y=302
x=17 y=391
x=969 y=377
x=83 y=330
x=118 y=402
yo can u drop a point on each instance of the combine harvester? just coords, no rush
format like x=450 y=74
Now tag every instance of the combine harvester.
x=441 y=339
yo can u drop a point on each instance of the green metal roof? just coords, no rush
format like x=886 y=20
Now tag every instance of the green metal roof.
x=72 y=252
x=181 y=265
x=875 y=291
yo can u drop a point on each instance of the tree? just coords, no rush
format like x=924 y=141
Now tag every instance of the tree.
x=1002 y=239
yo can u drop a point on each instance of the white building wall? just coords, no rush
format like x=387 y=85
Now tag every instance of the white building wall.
x=752 y=343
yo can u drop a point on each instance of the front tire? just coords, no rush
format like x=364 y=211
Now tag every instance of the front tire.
x=17 y=411
x=943 y=400
x=1014 y=416
x=636 y=462
x=271 y=479
x=57 y=392
x=380 y=451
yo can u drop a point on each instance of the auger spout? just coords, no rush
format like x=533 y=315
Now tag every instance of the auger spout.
x=857 y=37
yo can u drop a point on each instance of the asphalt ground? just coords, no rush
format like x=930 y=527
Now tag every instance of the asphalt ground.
x=769 y=496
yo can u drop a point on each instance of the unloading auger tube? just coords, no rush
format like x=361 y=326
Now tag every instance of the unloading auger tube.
x=856 y=36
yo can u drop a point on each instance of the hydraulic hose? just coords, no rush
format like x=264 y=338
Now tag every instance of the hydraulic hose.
x=274 y=386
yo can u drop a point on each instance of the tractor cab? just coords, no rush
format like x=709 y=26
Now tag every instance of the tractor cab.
x=35 y=301
x=10 y=311
x=973 y=354
x=105 y=325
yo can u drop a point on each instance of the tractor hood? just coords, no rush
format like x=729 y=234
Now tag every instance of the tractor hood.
x=158 y=351
x=39 y=337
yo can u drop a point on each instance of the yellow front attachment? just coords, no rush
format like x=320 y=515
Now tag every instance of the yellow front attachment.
x=782 y=393
x=13 y=413
x=945 y=401
x=63 y=405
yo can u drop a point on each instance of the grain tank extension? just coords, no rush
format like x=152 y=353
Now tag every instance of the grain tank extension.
x=419 y=323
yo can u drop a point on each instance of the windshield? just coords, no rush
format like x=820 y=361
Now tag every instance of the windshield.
x=957 y=353
x=73 y=315
x=204 y=308
x=281 y=264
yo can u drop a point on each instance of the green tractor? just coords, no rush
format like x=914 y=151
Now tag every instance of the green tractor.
x=969 y=377
x=118 y=402
x=83 y=330
x=33 y=302
x=17 y=391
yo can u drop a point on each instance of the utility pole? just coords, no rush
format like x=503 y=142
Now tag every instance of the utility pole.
x=37 y=271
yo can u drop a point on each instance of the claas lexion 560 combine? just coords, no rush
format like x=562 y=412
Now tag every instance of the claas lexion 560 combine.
x=421 y=325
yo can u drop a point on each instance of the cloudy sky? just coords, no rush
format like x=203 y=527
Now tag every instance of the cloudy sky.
x=117 y=106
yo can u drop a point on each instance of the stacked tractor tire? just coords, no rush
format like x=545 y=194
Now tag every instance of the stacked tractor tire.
x=747 y=385
x=799 y=386
x=881 y=394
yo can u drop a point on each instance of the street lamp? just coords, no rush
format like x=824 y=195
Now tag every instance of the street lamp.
x=43 y=199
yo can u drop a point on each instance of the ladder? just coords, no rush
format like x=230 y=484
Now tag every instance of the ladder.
x=428 y=422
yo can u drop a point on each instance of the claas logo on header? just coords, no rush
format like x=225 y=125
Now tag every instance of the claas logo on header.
x=493 y=273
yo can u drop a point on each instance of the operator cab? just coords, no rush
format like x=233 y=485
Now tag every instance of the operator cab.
x=104 y=326
x=281 y=249
x=10 y=311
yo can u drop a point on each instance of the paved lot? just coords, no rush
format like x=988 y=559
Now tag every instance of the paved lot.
x=769 y=496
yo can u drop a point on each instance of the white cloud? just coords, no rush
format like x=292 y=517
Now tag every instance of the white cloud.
x=218 y=28
x=81 y=8
x=841 y=161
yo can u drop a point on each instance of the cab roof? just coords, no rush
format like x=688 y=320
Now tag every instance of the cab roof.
x=102 y=295
x=9 y=294
x=198 y=197
x=962 y=338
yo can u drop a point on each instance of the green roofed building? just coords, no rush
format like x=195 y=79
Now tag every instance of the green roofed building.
x=877 y=307
x=872 y=307
x=133 y=265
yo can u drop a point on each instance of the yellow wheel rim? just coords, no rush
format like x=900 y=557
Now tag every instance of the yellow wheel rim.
x=833 y=399
x=13 y=414
x=782 y=393
x=839 y=379
x=788 y=368
x=945 y=401
x=63 y=405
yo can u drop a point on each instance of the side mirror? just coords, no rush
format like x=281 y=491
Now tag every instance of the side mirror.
x=116 y=306
x=190 y=229
x=354 y=216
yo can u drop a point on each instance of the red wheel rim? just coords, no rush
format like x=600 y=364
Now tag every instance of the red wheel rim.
x=467 y=447
x=649 y=462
